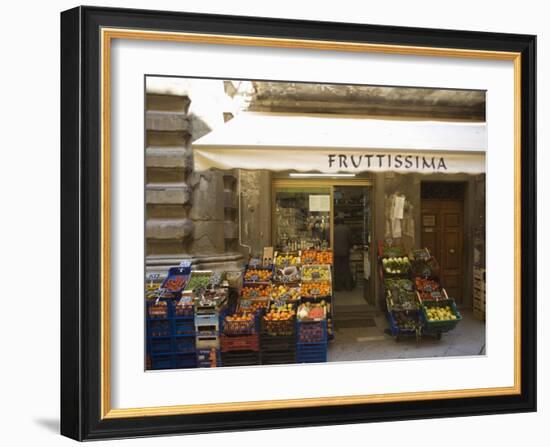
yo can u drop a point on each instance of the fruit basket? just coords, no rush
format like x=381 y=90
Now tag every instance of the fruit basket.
x=240 y=324
x=316 y=273
x=157 y=309
x=317 y=257
x=253 y=305
x=256 y=291
x=316 y=289
x=440 y=316
x=286 y=293
x=258 y=275
x=286 y=259
x=279 y=320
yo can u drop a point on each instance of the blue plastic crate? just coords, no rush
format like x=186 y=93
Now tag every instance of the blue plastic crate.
x=188 y=360
x=164 y=316
x=184 y=344
x=162 y=361
x=160 y=345
x=311 y=352
x=305 y=328
x=159 y=328
x=184 y=326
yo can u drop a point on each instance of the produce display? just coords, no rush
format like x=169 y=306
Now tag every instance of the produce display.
x=198 y=280
x=437 y=313
x=285 y=293
x=406 y=321
x=315 y=289
x=311 y=311
x=184 y=308
x=240 y=324
x=286 y=259
x=396 y=265
x=158 y=309
x=279 y=320
x=174 y=284
x=317 y=257
x=392 y=252
x=257 y=275
x=259 y=291
x=253 y=306
x=316 y=273
x=428 y=289
x=287 y=275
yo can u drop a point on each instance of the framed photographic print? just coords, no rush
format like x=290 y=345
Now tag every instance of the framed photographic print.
x=274 y=223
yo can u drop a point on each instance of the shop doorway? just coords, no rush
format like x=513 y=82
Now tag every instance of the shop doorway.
x=335 y=214
x=443 y=232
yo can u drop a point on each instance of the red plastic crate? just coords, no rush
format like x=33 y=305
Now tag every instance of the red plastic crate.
x=240 y=343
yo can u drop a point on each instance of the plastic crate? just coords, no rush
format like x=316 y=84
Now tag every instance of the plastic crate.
x=208 y=358
x=158 y=309
x=270 y=343
x=242 y=343
x=397 y=330
x=184 y=326
x=279 y=327
x=440 y=325
x=187 y=360
x=207 y=342
x=241 y=327
x=162 y=361
x=284 y=357
x=240 y=358
x=176 y=280
x=160 y=345
x=159 y=328
x=207 y=322
x=311 y=331
x=183 y=309
x=184 y=344
x=311 y=353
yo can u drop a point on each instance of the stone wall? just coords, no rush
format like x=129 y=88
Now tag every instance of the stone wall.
x=189 y=215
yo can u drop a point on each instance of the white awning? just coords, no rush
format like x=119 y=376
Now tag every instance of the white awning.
x=319 y=143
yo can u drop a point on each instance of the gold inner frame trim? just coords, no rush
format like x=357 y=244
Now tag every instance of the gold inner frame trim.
x=107 y=35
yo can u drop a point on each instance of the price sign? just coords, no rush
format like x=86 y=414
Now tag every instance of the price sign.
x=186 y=263
x=246 y=303
x=316 y=274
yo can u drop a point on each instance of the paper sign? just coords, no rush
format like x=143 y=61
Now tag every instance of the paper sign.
x=319 y=203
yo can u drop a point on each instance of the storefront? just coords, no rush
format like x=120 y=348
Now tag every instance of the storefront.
x=377 y=175
x=339 y=231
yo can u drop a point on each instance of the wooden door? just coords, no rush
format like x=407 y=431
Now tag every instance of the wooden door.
x=443 y=235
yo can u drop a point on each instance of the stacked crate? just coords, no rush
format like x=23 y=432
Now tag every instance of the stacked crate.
x=311 y=339
x=278 y=342
x=240 y=343
x=170 y=336
x=207 y=340
x=479 y=293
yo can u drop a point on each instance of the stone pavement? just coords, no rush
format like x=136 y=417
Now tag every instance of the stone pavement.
x=371 y=343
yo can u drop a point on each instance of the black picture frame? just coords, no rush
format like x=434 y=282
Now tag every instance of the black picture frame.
x=81 y=223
